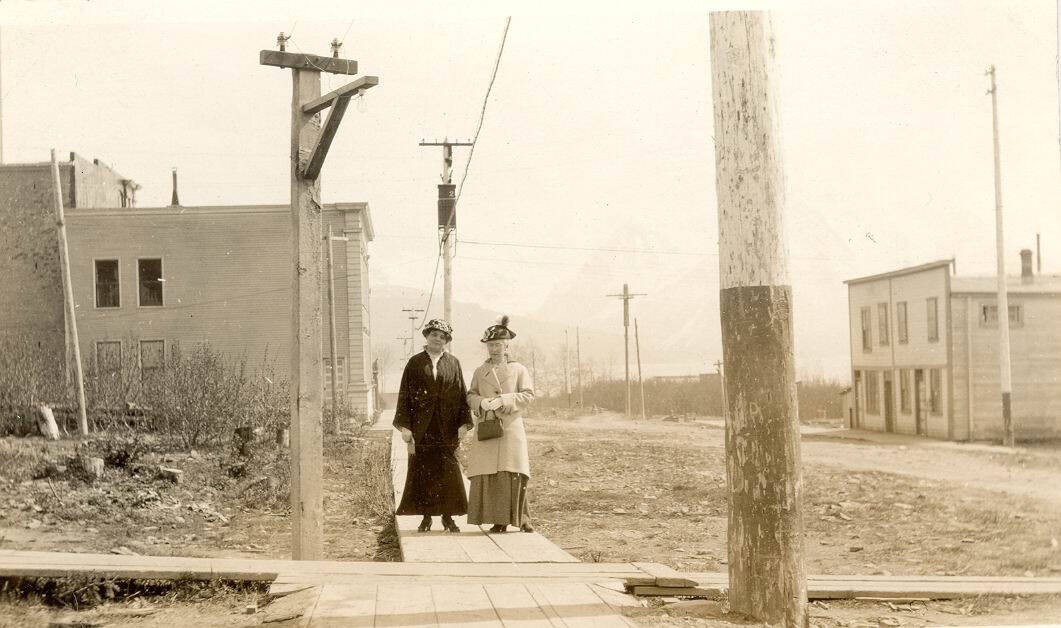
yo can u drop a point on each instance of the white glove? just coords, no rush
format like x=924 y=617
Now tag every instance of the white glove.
x=407 y=434
x=485 y=404
x=495 y=403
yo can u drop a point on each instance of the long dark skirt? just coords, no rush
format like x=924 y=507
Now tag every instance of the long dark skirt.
x=433 y=484
x=498 y=499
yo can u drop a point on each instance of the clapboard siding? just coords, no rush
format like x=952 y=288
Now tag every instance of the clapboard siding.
x=227 y=274
x=1035 y=362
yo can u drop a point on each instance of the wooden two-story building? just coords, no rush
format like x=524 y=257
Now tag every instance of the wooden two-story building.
x=147 y=280
x=924 y=353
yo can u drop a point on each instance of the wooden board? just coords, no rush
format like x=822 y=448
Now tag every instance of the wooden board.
x=575 y=605
x=301 y=61
x=515 y=606
x=345 y=605
x=464 y=605
x=405 y=605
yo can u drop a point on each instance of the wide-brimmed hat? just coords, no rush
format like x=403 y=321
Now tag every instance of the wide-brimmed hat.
x=500 y=331
x=439 y=324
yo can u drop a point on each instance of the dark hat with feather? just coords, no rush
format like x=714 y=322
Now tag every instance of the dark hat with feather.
x=500 y=331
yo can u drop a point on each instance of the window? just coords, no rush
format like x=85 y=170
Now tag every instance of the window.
x=932 y=305
x=108 y=357
x=872 y=394
x=900 y=321
x=904 y=390
x=867 y=340
x=882 y=323
x=152 y=359
x=935 y=391
x=989 y=316
x=339 y=375
x=108 y=286
x=149 y=273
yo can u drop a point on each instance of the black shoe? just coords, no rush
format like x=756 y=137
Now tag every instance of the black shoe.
x=526 y=527
x=449 y=524
x=425 y=524
x=499 y=529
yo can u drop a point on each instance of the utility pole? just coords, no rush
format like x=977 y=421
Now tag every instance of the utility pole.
x=578 y=367
x=412 y=327
x=328 y=239
x=765 y=527
x=2 y=99
x=567 y=381
x=1003 y=297
x=640 y=381
x=68 y=292
x=310 y=142
x=626 y=296
x=447 y=221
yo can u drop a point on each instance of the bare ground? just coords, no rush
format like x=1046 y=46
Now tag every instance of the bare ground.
x=607 y=489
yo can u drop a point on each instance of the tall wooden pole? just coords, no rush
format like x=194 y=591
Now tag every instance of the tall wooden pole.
x=68 y=294
x=306 y=390
x=567 y=370
x=626 y=296
x=765 y=527
x=1003 y=297
x=578 y=367
x=331 y=327
x=640 y=381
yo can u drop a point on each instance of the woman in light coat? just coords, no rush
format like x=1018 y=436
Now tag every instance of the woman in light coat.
x=499 y=468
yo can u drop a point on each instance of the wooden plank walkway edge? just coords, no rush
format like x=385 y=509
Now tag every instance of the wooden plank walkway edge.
x=17 y=563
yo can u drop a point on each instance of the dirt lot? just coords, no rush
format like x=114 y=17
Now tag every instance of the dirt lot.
x=605 y=488
x=610 y=489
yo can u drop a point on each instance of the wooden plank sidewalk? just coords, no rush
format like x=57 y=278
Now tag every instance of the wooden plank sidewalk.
x=473 y=544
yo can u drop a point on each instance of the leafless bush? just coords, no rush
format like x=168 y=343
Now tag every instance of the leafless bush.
x=703 y=396
x=26 y=379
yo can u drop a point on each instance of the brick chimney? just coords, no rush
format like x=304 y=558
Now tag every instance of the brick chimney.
x=175 y=202
x=1026 y=266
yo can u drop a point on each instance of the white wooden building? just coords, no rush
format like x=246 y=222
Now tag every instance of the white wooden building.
x=924 y=353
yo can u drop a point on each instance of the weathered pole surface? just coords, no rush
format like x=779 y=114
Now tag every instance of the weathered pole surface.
x=1005 y=372
x=306 y=387
x=765 y=527
x=334 y=348
x=68 y=296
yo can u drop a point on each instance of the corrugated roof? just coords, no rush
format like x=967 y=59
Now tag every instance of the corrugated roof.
x=902 y=271
x=1041 y=284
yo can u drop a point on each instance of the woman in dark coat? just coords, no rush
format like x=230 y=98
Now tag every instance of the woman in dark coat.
x=433 y=415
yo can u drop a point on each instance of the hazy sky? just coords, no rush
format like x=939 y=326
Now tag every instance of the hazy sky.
x=597 y=135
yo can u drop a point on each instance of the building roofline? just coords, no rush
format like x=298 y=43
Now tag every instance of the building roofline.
x=213 y=210
x=902 y=271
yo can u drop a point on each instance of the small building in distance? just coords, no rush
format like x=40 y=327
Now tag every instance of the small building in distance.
x=925 y=353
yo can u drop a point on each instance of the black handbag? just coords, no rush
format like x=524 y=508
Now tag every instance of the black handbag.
x=490 y=427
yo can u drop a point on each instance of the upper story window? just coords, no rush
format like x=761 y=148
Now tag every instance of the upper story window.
x=108 y=285
x=882 y=323
x=989 y=315
x=867 y=333
x=901 y=324
x=149 y=278
x=932 y=317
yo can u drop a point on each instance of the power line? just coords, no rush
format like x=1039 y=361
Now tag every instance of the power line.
x=467 y=164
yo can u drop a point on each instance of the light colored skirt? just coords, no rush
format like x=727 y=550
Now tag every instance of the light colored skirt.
x=498 y=499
